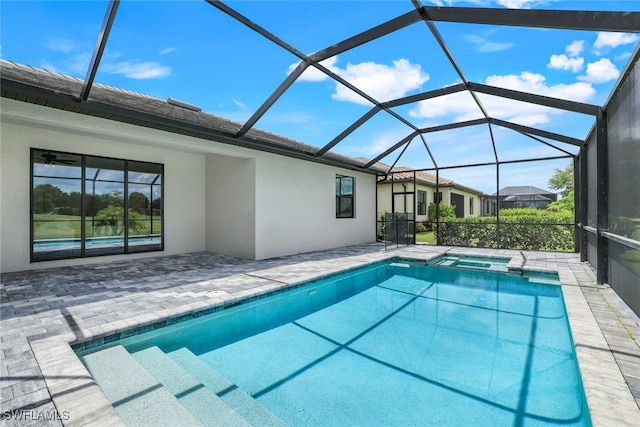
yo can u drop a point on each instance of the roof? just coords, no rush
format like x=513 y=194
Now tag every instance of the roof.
x=55 y=90
x=527 y=198
x=407 y=174
x=522 y=190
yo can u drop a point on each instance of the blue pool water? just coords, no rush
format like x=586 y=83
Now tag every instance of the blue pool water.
x=471 y=262
x=92 y=242
x=390 y=344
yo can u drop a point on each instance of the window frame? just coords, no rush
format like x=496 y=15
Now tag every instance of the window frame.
x=83 y=208
x=341 y=197
x=422 y=205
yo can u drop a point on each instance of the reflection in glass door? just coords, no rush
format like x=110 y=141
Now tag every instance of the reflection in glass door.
x=88 y=206
x=144 y=185
x=104 y=206
x=56 y=189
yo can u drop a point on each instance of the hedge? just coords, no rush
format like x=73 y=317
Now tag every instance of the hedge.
x=526 y=229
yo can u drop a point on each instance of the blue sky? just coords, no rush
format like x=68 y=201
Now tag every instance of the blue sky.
x=189 y=50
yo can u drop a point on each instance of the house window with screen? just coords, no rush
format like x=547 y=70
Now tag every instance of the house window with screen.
x=344 y=196
x=81 y=204
x=470 y=205
x=422 y=202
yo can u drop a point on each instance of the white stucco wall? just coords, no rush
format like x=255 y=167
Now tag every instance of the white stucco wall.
x=296 y=207
x=231 y=201
x=218 y=197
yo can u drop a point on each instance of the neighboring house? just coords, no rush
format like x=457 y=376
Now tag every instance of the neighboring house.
x=524 y=196
x=404 y=191
x=72 y=173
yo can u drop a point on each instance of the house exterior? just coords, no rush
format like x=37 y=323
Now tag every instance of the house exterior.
x=524 y=196
x=73 y=173
x=402 y=192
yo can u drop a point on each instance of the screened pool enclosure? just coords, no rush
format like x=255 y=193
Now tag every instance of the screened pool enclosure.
x=477 y=122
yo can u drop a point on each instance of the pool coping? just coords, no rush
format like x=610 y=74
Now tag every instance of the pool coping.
x=73 y=391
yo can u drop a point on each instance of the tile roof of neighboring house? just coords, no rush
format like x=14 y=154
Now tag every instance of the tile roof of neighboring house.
x=521 y=190
x=405 y=173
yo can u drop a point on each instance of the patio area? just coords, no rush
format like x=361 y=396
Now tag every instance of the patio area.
x=43 y=311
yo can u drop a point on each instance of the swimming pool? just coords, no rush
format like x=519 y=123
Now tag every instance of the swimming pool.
x=471 y=262
x=393 y=343
x=41 y=245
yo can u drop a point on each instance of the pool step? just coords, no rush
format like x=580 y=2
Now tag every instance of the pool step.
x=140 y=400
x=205 y=405
x=235 y=397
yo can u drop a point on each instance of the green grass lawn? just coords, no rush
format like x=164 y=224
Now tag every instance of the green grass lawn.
x=68 y=226
x=426 y=237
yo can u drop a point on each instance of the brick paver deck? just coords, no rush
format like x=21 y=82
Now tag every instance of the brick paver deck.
x=43 y=311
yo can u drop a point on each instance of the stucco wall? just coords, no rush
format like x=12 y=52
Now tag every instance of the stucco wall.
x=231 y=201
x=218 y=197
x=296 y=207
x=184 y=182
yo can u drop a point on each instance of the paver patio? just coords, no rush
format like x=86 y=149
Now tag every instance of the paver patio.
x=42 y=311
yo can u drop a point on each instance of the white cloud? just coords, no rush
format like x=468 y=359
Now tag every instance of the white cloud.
x=462 y=107
x=571 y=61
x=600 y=71
x=239 y=104
x=612 y=40
x=62 y=45
x=517 y=4
x=484 y=46
x=623 y=56
x=167 y=50
x=563 y=62
x=575 y=48
x=535 y=83
x=382 y=82
x=139 y=70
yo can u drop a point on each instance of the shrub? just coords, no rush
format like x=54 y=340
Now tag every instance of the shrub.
x=444 y=212
x=527 y=229
x=421 y=228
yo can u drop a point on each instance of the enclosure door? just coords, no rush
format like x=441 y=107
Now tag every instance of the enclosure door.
x=458 y=201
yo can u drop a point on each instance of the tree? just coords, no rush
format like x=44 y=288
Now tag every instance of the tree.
x=47 y=197
x=138 y=202
x=562 y=180
x=111 y=221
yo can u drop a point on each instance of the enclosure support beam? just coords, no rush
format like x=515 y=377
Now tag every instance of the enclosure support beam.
x=602 y=194
x=583 y=203
x=564 y=19
x=101 y=43
x=577 y=232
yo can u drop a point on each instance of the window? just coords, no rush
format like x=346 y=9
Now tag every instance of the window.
x=80 y=205
x=422 y=202
x=437 y=197
x=344 y=196
x=470 y=205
